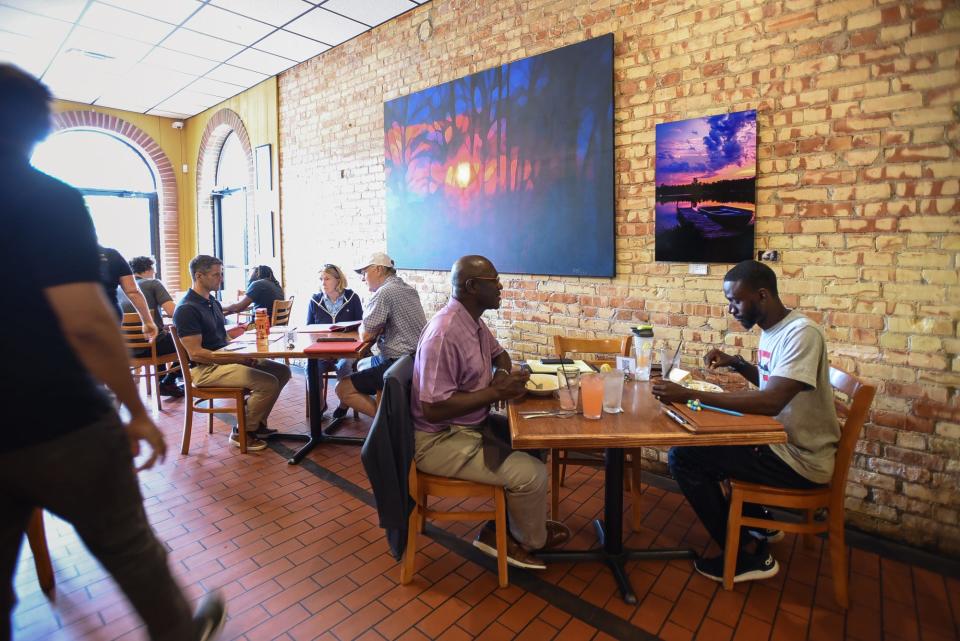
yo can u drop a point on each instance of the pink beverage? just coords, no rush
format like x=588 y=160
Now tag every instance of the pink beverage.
x=591 y=386
x=568 y=387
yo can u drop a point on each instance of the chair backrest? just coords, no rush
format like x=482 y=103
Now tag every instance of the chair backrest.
x=184 y=359
x=619 y=346
x=131 y=328
x=281 y=312
x=853 y=414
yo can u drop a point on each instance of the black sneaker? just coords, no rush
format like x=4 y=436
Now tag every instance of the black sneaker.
x=172 y=390
x=341 y=411
x=769 y=535
x=263 y=431
x=750 y=567
x=210 y=617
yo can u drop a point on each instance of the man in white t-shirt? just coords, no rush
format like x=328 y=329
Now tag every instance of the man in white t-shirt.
x=793 y=377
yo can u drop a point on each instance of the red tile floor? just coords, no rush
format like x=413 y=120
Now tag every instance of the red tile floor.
x=298 y=553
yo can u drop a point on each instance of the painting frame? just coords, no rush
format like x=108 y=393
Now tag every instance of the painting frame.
x=514 y=163
x=263 y=167
x=705 y=188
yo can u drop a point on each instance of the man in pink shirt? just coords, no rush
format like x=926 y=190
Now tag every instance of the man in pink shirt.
x=459 y=371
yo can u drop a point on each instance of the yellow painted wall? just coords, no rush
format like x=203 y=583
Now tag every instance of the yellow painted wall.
x=257 y=108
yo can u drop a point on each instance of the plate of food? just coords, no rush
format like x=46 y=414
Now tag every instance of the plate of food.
x=542 y=384
x=702 y=386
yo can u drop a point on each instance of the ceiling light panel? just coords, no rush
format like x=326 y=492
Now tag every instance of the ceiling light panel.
x=198 y=44
x=68 y=10
x=113 y=20
x=172 y=11
x=326 y=27
x=274 y=12
x=228 y=26
x=113 y=53
x=237 y=76
x=290 y=45
x=369 y=13
x=177 y=61
x=263 y=62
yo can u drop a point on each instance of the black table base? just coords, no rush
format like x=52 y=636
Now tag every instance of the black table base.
x=610 y=537
x=317 y=434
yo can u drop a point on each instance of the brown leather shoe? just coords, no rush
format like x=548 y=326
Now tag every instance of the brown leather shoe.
x=486 y=542
x=557 y=535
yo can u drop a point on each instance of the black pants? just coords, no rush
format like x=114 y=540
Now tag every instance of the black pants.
x=87 y=478
x=699 y=471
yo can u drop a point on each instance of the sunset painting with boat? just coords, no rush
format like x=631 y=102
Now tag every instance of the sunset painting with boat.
x=706 y=188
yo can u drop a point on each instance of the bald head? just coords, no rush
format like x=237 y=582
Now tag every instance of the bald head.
x=475 y=283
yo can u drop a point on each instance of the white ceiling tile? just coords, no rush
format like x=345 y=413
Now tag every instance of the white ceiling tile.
x=186 y=102
x=178 y=61
x=113 y=20
x=237 y=76
x=68 y=10
x=369 y=13
x=76 y=78
x=214 y=87
x=290 y=45
x=326 y=27
x=119 y=54
x=168 y=114
x=275 y=12
x=174 y=11
x=263 y=62
x=124 y=102
x=229 y=26
x=30 y=54
x=33 y=25
x=200 y=45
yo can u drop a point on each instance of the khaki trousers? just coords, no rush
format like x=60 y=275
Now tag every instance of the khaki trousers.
x=479 y=453
x=264 y=379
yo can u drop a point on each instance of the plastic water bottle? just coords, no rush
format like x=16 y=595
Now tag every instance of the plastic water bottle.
x=643 y=351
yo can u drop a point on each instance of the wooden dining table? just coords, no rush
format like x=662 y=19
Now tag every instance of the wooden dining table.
x=642 y=423
x=277 y=347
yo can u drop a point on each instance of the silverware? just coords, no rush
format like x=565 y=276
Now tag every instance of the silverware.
x=550 y=414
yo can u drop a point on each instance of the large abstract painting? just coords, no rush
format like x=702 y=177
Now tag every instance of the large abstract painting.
x=514 y=163
x=706 y=188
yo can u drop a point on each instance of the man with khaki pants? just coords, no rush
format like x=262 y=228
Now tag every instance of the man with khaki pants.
x=201 y=326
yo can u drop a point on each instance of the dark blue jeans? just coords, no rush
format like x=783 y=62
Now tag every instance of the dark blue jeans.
x=699 y=471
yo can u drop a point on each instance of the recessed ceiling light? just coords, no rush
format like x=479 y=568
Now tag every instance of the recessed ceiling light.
x=93 y=55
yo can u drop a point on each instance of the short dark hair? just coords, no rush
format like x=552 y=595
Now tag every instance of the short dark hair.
x=24 y=108
x=140 y=264
x=753 y=274
x=203 y=263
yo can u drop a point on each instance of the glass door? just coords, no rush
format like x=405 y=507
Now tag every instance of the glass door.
x=230 y=239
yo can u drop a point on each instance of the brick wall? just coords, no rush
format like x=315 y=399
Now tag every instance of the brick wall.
x=857 y=189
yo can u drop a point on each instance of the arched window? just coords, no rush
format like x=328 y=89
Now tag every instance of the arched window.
x=118 y=185
x=231 y=236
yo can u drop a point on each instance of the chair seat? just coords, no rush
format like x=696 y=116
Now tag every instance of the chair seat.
x=146 y=360
x=771 y=493
x=217 y=392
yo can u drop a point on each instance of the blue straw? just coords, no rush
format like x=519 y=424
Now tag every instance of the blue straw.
x=721 y=410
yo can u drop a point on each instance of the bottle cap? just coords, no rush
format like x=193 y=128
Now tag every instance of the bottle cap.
x=643 y=331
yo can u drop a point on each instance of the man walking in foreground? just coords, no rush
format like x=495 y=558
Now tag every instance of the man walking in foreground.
x=64 y=448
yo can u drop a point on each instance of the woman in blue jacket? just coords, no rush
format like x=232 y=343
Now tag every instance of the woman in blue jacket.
x=334 y=303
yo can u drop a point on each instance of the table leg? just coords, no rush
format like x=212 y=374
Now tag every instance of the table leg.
x=316 y=435
x=610 y=534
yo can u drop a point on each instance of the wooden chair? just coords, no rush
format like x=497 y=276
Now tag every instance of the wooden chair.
x=560 y=458
x=37 y=538
x=860 y=397
x=131 y=328
x=280 y=315
x=196 y=395
x=423 y=485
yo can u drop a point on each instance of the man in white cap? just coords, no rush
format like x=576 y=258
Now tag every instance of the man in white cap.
x=395 y=318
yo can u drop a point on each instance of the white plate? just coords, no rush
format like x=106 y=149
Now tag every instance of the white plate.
x=547 y=384
x=702 y=386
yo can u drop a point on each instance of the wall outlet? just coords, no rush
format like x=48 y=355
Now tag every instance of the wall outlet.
x=185 y=168
x=700 y=269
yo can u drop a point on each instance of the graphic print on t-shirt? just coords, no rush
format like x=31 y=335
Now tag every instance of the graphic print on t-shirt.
x=763 y=358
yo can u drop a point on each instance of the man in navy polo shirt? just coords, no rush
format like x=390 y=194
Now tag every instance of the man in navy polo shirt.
x=200 y=324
